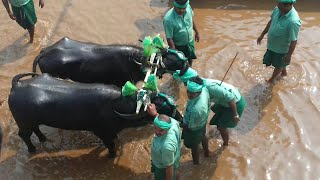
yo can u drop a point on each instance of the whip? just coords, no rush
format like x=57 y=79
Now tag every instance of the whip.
x=229 y=68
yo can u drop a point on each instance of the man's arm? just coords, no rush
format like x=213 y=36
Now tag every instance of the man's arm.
x=168 y=30
x=171 y=44
x=6 y=5
x=293 y=38
x=169 y=172
x=292 y=47
x=197 y=35
x=233 y=106
x=265 y=31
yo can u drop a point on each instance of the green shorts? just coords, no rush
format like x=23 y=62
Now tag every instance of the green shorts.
x=25 y=15
x=274 y=59
x=160 y=173
x=223 y=116
x=188 y=51
x=193 y=138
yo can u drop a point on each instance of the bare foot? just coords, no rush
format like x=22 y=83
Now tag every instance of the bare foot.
x=284 y=72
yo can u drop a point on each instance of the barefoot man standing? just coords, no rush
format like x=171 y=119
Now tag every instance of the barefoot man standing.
x=282 y=29
x=23 y=13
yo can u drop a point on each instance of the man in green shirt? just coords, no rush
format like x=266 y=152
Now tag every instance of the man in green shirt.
x=165 y=146
x=23 y=13
x=282 y=29
x=195 y=119
x=178 y=26
x=228 y=105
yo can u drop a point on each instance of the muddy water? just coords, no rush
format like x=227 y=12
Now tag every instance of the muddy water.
x=277 y=137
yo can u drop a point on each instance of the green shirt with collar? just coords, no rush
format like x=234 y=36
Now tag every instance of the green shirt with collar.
x=283 y=30
x=197 y=111
x=165 y=150
x=222 y=94
x=179 y=28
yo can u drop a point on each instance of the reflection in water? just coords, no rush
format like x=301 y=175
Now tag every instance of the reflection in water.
x=276 y=138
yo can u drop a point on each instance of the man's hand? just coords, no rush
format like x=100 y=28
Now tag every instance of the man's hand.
x=287 y=59
x=11 y=15
x=259 y=39
x=197 y=37
x=41 y=3
x=152 y=110
x=236 y=118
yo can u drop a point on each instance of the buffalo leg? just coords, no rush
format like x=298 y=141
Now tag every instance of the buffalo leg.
x=108 y=142
x=41 y=136
x=25 y=135
x=111 y=147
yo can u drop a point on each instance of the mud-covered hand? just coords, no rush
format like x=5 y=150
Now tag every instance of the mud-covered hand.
x=259 y=39
x=11 y=15
x=152 y=110
x=197 y=37
x=236 y=118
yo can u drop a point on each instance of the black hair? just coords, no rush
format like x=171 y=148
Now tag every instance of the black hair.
x=197 y=80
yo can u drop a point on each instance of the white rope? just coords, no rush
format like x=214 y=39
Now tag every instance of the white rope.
x=143 y=95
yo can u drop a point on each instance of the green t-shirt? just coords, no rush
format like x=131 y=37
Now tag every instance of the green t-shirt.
x=179 y=28
x=18 y=3
x=283 y=30
x=223 y=94
x=165 y=150
x=197 y=111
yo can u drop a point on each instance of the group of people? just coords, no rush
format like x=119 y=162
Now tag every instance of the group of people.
x=228 y=107
x=181 y=34
x=228 y=103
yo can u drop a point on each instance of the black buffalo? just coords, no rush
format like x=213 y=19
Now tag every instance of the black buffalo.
x=75 y=106
x=94 y=63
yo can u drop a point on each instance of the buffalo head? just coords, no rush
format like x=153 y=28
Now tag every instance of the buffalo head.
x=125 y=107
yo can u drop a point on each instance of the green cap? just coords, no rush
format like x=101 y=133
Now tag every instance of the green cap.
x=162 y=124
x=287 y=1
x=194 y=87
x=190 y=73
x=181 y=6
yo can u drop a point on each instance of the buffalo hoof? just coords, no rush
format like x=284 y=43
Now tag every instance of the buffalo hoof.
x=112 y=155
